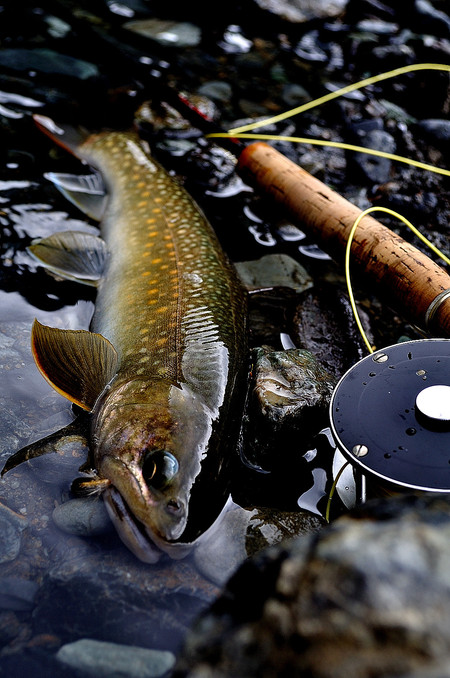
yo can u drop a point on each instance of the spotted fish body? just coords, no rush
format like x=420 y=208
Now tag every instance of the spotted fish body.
x=170 y=304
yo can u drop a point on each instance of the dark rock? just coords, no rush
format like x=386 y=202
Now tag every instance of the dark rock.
x=324 y=312
x=367 y=596
x=370 y=134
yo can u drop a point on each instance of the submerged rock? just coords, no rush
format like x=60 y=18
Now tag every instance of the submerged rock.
x=83 y=517
x=17 y=594
x=368 y=596
x=99 y=590
x=11 y=526
x=96 y=658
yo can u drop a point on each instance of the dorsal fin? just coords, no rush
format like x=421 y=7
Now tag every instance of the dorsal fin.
x=74 y=255
x=78 y=364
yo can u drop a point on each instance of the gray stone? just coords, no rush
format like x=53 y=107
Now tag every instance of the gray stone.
x=83 y=517
x=96 y=658
x=368 y=596
x=436 y=132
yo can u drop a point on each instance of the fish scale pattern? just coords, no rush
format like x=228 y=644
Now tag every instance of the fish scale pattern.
x=180 y=305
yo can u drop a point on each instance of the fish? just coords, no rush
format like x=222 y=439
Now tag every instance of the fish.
x=161 y=372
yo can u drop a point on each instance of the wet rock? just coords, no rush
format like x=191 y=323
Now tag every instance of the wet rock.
x=324 y=312
x=299 y=11
x=369 y=595
x=168 y=33
x=11 y=526
x=243 y=533
x=47 y=61
x=17 y=594
x=288 y=404
x=83 y=517
x=274 y=270
x=98 y=659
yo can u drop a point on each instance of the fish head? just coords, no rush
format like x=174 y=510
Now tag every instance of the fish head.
x=150 y=440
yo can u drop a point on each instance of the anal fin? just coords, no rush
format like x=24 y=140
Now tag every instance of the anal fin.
x=78 y=364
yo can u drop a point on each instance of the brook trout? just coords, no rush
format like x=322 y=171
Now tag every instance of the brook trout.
x=162 y=370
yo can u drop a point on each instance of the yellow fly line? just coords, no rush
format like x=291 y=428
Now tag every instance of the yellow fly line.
x=242 y=132
x=340 y=92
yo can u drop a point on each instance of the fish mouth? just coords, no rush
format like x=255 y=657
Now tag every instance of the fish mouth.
x=145 y=545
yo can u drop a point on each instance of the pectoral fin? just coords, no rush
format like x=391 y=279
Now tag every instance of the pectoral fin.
x=78 y=364
x=74 y=255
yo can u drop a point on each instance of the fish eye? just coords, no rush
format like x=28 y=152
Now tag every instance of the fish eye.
x=158 y=468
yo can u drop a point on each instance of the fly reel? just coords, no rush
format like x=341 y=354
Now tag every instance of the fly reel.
x=390 y=419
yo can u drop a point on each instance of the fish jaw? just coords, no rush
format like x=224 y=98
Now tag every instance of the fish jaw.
x=145 y=545
x=149 y=442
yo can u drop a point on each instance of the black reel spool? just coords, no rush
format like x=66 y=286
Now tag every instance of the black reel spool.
x=390 y=418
